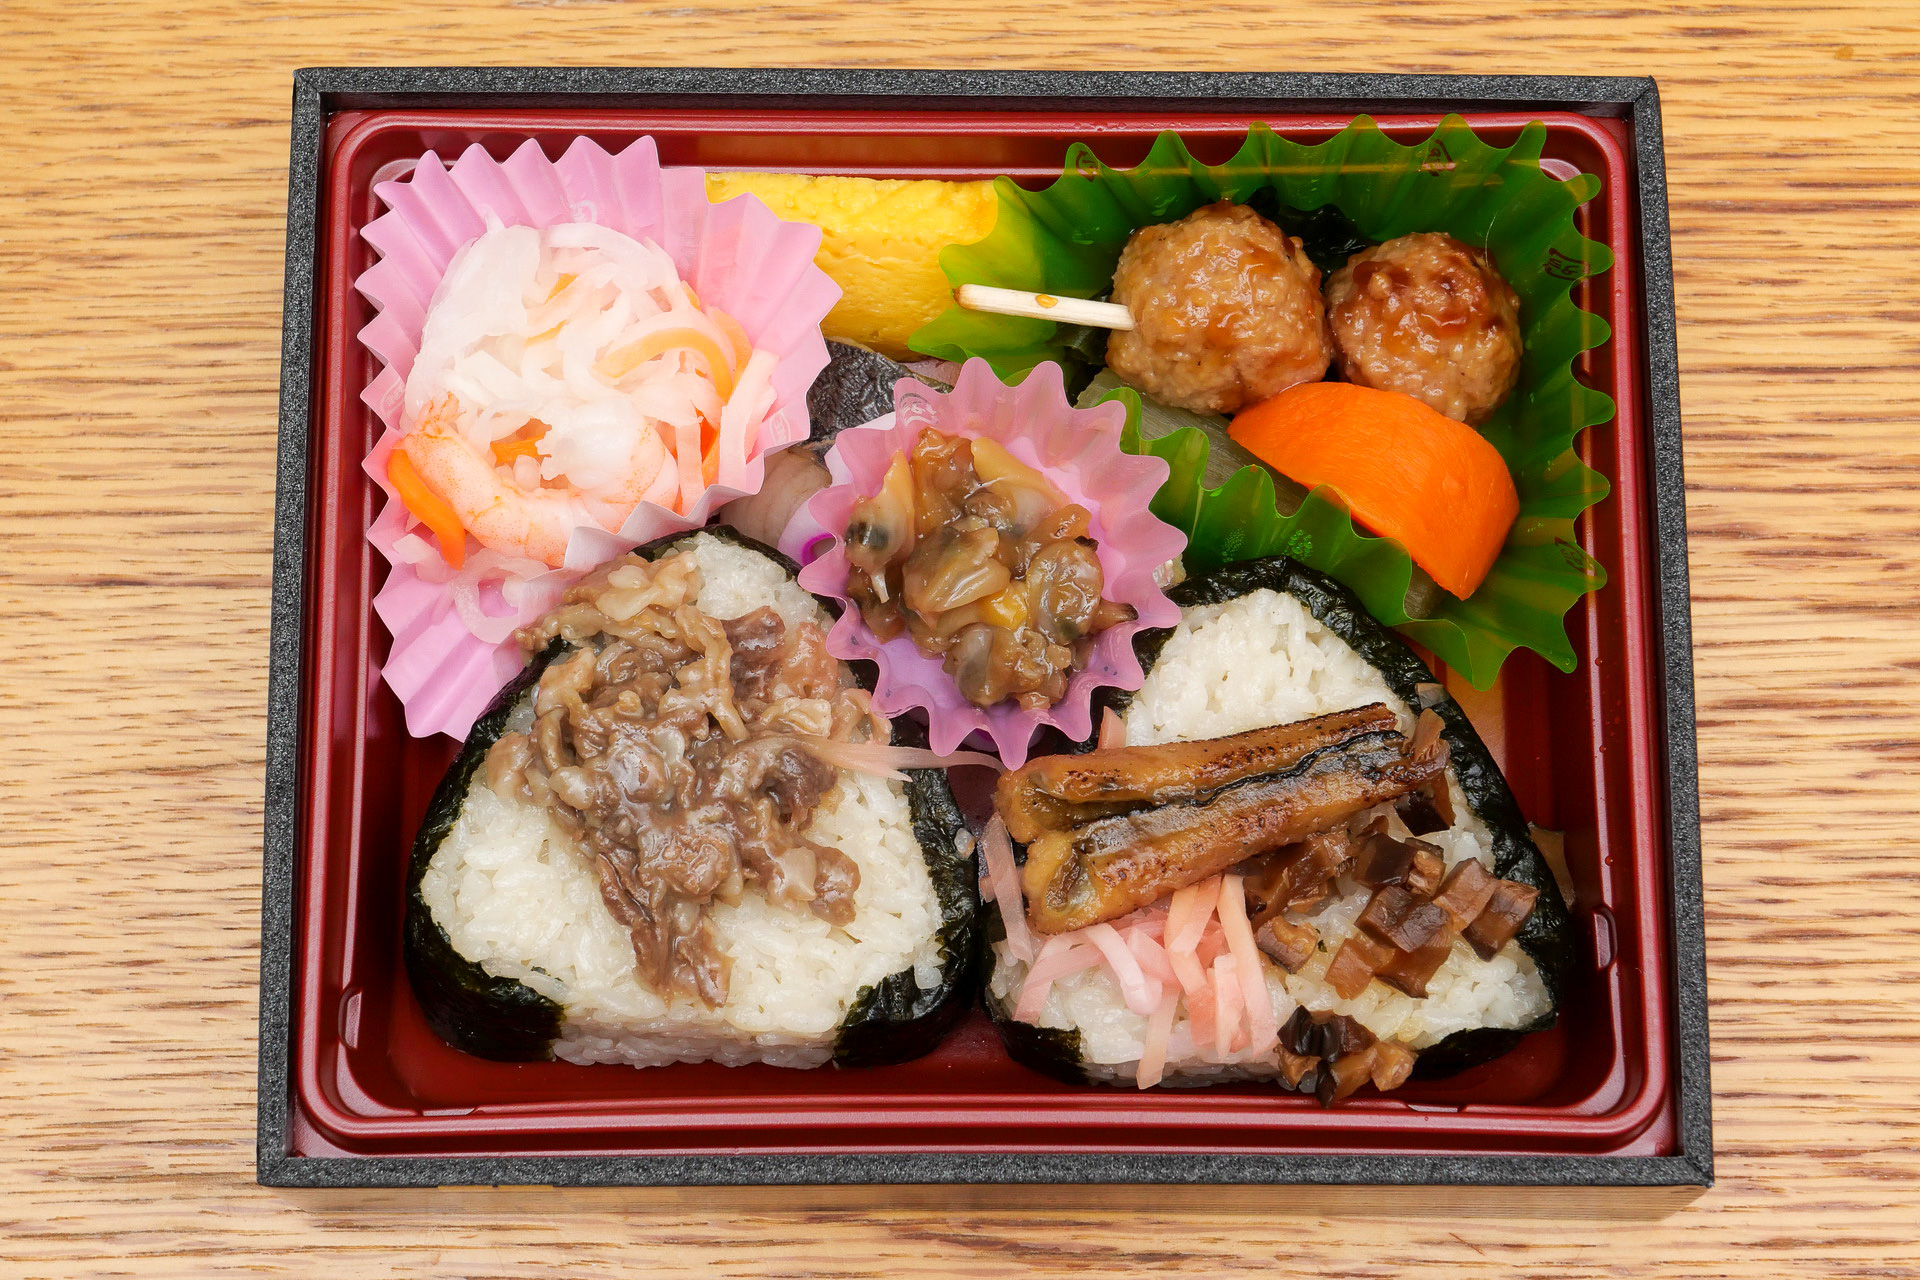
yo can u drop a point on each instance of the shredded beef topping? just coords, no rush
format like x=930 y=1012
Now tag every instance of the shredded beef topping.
x=673 y=748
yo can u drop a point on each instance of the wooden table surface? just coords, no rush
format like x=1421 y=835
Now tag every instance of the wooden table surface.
x=141 y=208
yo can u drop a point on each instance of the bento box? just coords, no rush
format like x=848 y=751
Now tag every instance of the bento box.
x=356 y=1089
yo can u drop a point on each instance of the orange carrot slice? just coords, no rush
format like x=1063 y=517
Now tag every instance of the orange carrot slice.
x=618 y=364
x=429 y=508
x=1405 y=471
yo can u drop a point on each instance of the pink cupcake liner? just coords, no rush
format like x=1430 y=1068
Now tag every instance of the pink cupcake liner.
x=1079 y=450
x=738 y=256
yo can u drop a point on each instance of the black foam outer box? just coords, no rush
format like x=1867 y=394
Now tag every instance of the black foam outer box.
x=320 y=91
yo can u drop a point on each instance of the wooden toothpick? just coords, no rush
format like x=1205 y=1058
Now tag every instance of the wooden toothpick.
x=1044 y=306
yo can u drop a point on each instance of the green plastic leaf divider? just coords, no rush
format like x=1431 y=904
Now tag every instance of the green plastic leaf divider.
x=1065 y=240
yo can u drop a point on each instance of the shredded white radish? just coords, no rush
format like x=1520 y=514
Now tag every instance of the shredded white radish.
x=486 y=627
x=745 y=405
x=565 y=376
x=508 y=575
x=411 y=548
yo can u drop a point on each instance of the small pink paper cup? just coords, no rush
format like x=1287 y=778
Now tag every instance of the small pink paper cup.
x=1079 y=451
x=738 y=256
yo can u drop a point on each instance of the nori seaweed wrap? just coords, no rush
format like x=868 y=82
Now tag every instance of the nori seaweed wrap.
x=536 y=990
x=1277 y=612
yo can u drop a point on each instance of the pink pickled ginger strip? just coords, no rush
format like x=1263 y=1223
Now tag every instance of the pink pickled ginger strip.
x=997 y=848
x=1054 y=962
x=1155 y=928
x=1206 y=898
x=1262 y=1028
x=1212 y=944
x=1151 y=955
x=1179 y=907
x=1196 y=985
x=1226 y=1007
x=1141 y=993
x=884 y=760
x=1153 y=1052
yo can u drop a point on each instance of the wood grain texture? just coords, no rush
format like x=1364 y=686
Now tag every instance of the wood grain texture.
x=141 y=209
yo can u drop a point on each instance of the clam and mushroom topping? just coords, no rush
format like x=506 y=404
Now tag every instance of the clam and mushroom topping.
x=985 y=565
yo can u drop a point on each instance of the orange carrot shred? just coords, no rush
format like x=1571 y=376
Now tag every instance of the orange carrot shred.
x=519 y=446
x=619 y=363
x=709 y=450
x=505 y=451
x=429 y=508
x=736 y=334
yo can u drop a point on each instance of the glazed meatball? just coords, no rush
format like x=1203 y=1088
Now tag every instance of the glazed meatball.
x=1227 y=311
x=1430 y=317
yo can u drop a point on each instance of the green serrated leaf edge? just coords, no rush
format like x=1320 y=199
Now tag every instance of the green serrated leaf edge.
x=1065 y=239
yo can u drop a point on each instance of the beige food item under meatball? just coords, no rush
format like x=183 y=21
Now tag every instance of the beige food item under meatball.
x=1227 y=311
x=1429 y=317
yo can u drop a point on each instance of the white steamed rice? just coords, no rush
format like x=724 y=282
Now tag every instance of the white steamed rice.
x=1263 y=659
x=517 y=899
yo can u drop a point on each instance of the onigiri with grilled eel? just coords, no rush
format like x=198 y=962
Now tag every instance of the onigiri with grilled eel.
x=684 y=835
x=1287 y=857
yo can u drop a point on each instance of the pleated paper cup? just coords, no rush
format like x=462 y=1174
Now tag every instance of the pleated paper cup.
x=738 y=256
x=1078 y=450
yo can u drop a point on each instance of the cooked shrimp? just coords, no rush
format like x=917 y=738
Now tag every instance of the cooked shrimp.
x=494 y=506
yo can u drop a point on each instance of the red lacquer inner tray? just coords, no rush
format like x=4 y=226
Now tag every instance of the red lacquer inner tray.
x=1583 y=752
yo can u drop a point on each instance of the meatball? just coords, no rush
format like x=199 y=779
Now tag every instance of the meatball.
x=1227 y=311
x=1430 y=317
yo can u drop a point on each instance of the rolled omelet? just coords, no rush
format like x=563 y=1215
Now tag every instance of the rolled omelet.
x=882 y=244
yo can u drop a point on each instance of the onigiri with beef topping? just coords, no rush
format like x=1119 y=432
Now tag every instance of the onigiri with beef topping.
x=683 y=835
